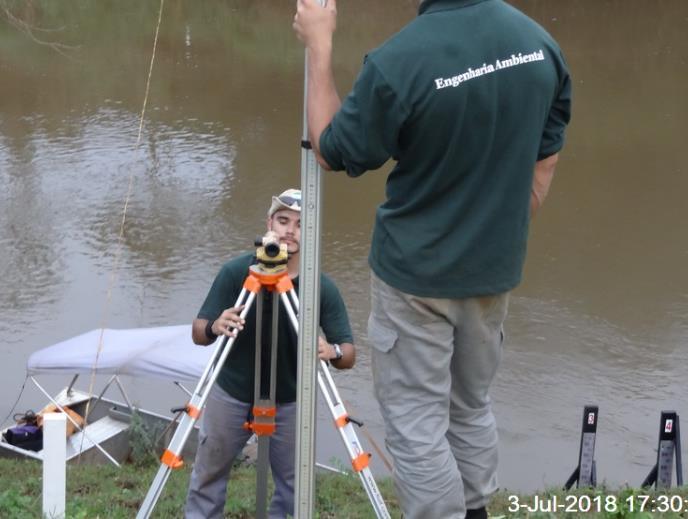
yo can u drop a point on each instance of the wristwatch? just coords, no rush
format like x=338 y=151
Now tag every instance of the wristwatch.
x=337 y=352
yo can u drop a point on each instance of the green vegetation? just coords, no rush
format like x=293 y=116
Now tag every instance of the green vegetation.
x=108 y=492
x=105 y=491
x=145 y=441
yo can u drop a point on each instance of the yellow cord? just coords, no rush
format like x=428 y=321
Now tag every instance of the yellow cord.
x=120 y=239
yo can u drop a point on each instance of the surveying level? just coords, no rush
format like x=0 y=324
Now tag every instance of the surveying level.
x=669 y=445
x=270 y=254
x=268 y=275
x=585 y=474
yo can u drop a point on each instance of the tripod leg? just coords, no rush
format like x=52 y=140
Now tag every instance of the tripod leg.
x=359 y=458
x=263 y=441
x=291 y=308
x=294 y=300
x=264 y=410
x=263 y=424
x=171 y=458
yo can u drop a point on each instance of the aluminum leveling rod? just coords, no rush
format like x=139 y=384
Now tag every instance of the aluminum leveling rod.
x=309 y=317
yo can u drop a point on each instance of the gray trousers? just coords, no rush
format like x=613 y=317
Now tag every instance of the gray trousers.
x=433 y=361
x=221 y=439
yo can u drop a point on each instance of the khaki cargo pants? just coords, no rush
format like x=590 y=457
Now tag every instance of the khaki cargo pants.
x=433 y=361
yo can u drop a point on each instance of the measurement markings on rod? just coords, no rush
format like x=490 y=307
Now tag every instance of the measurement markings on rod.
x=309 y=292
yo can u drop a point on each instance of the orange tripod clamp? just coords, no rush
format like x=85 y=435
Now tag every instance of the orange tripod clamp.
x=172 y=460
x=264 y=421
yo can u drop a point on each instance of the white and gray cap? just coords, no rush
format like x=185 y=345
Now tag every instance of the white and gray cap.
x=289 y=199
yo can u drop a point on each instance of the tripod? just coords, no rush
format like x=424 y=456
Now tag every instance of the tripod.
x=269 y=274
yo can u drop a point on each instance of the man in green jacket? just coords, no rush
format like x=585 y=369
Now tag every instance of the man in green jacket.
x=471 y=99
x=223 y=434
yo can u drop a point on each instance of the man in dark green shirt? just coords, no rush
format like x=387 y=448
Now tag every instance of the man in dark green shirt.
x=471 y=100
x=222 y=433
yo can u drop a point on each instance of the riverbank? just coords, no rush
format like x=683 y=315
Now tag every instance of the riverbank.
x=106 y=491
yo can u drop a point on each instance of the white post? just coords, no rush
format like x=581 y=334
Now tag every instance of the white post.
x=54 y=465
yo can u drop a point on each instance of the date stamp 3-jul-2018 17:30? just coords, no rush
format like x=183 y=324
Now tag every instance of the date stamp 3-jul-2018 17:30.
x=660 y=503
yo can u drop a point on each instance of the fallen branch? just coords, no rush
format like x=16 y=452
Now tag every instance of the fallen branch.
x=30 y=30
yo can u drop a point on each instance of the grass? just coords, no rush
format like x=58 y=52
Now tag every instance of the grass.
x=105 y=491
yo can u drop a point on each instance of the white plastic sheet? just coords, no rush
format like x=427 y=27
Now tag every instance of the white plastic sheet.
x=165 y=352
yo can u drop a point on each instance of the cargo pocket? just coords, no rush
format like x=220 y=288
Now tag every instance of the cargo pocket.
x=382 y=337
